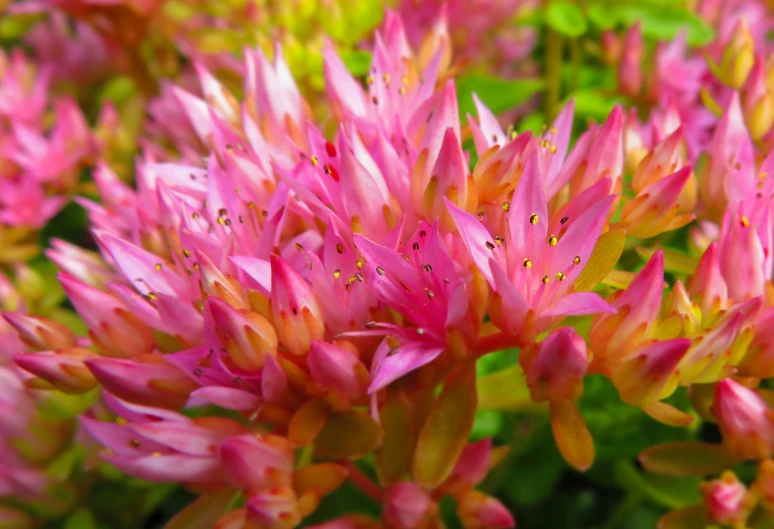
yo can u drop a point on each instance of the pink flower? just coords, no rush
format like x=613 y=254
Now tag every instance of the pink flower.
x=534 y=265
x=164 y=446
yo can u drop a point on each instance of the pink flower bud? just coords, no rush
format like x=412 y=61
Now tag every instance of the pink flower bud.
x=614 y=337
x=407 y=506
x=147 y=379
x=726 y=500
x=555 y=367
x=275 y=508
x=480 y=511
x=40 y=333
x=112 y=328
x=630 y=68
x=63 y=368
x=248 y=337
x=745 y=420
x=257 y=462
x=296 y=313
x=337 y=370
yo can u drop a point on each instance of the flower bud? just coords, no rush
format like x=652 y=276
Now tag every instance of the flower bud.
x=726 y=500
x=480 y=511
x=147 y=379
x=555 y=367
x=248 y=337
x=408 y=506
x=630 y=68
x=655 y=209
x=613 y=337
x=745 y=420
x=40 y=333
x=257 y=462
x=63 y=368
x=738 y=56
x=112 y=328
x=758 y=102
x=338 y=371
x=275 y=508
x=294 y=308
x=649 y=374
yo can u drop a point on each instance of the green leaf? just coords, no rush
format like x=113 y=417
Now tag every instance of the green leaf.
x=348 y=435
x=686 y=458
x=447 y=428
x=665 y=24
x=497 y=94
x=602 y=16
x=671 y=492
x=356 y=61
x=80 y=519
x=566 y=18
x=593 y=104
x=506 y=389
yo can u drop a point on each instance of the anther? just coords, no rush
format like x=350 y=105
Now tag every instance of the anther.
x=564 y=219
x=380 y=270
x=340 y=248
x=314 y=161
x=336 y=273
x=499 y=240
x=359 y=264
x=299 y=247
x=415 y=246
x=560 y=276
x=744 y=221
x=430 y=294
x=552 y=240
x=533 y=219
x=506 y=206
x=527 y=263
x=545 y=280
x=158 y=266
x=577 y=259
x=490 y=245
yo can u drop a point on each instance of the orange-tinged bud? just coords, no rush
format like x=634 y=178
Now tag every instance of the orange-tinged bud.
x=63 y=368
x=40 y=333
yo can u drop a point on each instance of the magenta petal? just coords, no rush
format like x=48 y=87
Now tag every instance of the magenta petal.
x=579 y=304
x=405 y=359
x=477 y=239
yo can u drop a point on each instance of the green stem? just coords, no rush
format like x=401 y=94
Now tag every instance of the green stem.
x=553 y=66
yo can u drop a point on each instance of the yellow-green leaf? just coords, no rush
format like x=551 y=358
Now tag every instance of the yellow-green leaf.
x=393 y=459
x=606 y=253
x=693 y=517
x=686 y=458
x=572 y=435
x=446 y=430
x=673 y=261
x=348 y=435
x=504 y=390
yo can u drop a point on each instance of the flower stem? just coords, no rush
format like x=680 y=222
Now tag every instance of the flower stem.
x=553 y=66
x=363 y=482
x=495 y=342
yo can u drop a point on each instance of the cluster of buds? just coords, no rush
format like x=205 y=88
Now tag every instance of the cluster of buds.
x=46 y=143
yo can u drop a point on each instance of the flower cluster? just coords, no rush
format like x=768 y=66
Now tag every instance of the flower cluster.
x=283 y=306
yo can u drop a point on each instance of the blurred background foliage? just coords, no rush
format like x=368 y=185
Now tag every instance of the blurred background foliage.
x=534 y=481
